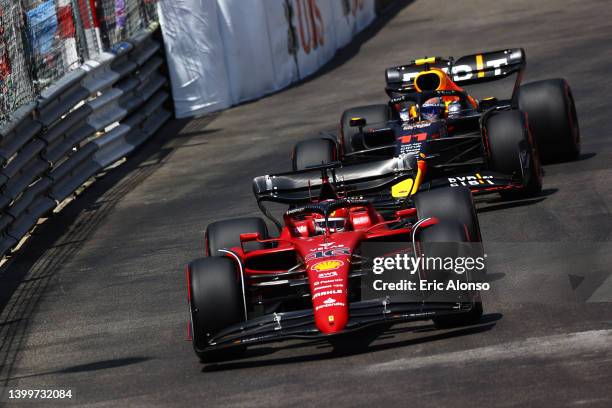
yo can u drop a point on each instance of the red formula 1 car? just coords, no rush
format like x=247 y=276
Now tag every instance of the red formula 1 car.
x=312 y=280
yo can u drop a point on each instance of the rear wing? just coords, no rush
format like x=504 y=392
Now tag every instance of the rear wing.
x=351 y=180
x=470 y=69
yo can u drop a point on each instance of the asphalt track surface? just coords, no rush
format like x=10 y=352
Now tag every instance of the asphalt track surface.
x=96 y=300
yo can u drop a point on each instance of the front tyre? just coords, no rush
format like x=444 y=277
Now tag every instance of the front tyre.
x=215 y=302
x=442 y=234
x=312 y=153
x=226 y=234
x=375 y=116
x=513 y=153
x=450 y=203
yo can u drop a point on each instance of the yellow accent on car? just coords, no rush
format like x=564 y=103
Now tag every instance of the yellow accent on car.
x=324 y=266
x=421 y=168
x=402 y=189
x=422 y=61
x=417 y=182
x=480 y=66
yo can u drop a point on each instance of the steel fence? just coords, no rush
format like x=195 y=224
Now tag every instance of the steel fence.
x=89 y=119
x=120 y=19
x=41 y=41
x=15 y=83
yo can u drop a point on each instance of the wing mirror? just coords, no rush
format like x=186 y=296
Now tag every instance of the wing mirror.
x=357 y=122
x=250 y=236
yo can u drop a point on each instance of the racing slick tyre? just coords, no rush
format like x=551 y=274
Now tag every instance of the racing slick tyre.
x=215 y=302
x=313 y=152
x=513 y=153
x=375 y=115
x=226 y=234
x=551 y=112
x=451 y=203
x=445 y=232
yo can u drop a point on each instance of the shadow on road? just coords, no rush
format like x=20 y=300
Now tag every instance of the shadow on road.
x=27 y=275
x=497 y=204
x=96 y=366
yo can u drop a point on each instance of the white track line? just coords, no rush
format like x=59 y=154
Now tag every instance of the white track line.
x=561 y=346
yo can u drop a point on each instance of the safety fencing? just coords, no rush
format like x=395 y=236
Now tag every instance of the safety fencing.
x=89 y=119
x=43 y=40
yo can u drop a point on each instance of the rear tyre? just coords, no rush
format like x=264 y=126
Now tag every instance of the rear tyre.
x=552 y=116
x=313 y=152
x=449 y=231
x=226 y=234
x=452 y=203
x=216 y=302
x=513 y=153
x=375 y=116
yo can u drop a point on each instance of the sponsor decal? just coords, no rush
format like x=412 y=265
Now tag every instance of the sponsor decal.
x=467 y=181
x=329 y=302
x=362 y=219
x=328 y=274
x=327 y=293
x=464 y=72
x=327 y=253
x=410 y=148
x=328 y=281
x=325 y=266
x=311 y=26
x=418 y=125
x=318 y=288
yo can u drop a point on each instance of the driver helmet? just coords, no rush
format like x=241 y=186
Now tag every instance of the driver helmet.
x=454 y=109
x=336 y=224
x=432 y=109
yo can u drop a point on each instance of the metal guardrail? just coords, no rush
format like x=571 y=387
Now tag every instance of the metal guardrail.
x=89 y=119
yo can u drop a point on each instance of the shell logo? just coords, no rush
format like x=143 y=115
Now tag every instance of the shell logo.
x=324 y=266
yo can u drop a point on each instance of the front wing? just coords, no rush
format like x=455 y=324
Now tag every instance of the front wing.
x=300 y=324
